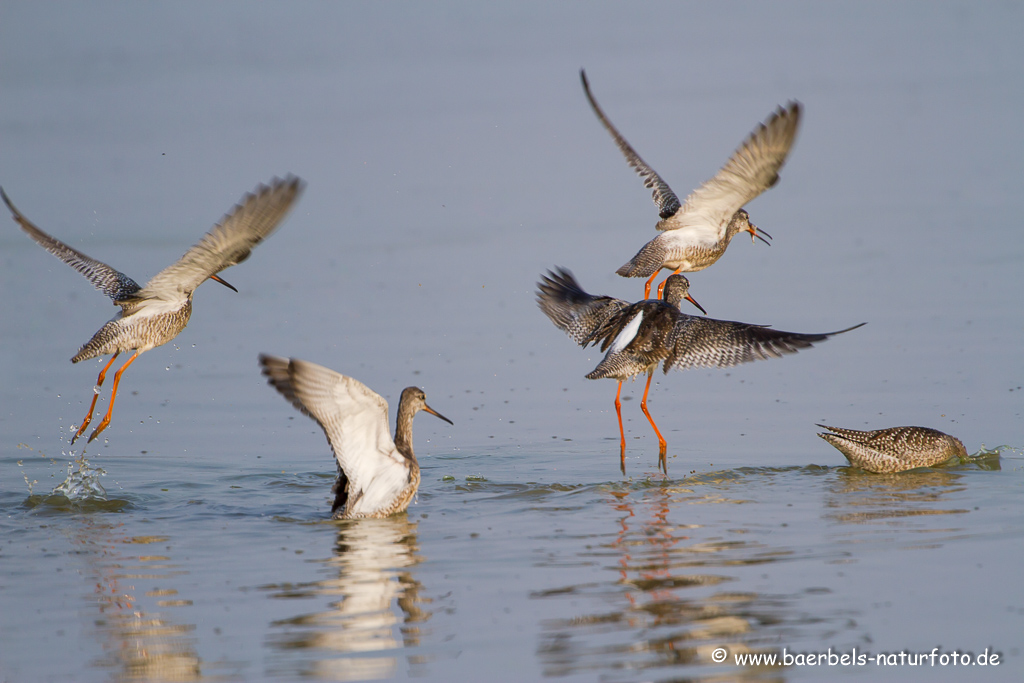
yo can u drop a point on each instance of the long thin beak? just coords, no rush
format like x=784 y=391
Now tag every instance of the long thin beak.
x=694 y=302
x=224 y=282
x=757 y=232
x=437 y=414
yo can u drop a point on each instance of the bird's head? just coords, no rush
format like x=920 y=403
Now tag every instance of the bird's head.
x=417 y=400
x=741 y=223
x=677 y=288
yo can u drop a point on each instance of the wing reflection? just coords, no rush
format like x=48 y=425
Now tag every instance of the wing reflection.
x=361 y=635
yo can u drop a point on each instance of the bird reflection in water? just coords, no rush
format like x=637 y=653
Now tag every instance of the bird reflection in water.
x=668 y=618
x=369 y=575
x=868 y=498
x=138 y=644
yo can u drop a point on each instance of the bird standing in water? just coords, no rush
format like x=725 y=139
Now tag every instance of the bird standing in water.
x=377 y=477
x=638 y=337
x=894 y=449
x=697 y=233
x=154 y=315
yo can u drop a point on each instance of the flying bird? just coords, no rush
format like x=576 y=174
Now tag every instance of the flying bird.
x=696 y=234
x=154 y=315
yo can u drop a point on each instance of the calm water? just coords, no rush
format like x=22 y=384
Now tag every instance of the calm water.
x=451 y=158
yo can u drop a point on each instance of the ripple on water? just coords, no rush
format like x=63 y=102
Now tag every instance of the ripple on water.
x=61 y=504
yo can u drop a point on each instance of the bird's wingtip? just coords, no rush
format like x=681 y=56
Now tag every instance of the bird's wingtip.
x=586 y=87
x=290 y=180
x=7 y=201
x=267 y=361
x=848 y=329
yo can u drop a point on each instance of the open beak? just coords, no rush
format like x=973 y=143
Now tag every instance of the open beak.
x=224 y=282
x=694 y=302
x=757 y=232
x=437 y=414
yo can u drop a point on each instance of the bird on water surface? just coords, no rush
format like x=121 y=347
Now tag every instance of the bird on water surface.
x=894 y=449
x=154 y=315
x=696 y=234
x=377 y=477
x=640 y=336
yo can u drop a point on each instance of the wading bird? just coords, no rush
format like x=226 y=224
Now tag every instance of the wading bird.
x=894 y=449
x=377 y=477
x=638 y=337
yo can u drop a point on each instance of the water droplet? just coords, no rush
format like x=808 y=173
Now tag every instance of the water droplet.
x=96 y=389
x=168 y=368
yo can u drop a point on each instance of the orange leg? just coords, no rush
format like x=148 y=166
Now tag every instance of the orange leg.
x=662 y=446
x=661 y=287
x=113 y=395
x=95 y=395
x=647 y=285
x=622 y=432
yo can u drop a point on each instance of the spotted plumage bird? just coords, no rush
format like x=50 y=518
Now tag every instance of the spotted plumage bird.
x=377 y=477
x=894 y=449
x=696 y=234
x=154 y=315
x=639 y=337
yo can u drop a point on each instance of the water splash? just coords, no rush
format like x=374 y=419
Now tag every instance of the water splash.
x=82 y=483
x=28 y=483
x=984 y=452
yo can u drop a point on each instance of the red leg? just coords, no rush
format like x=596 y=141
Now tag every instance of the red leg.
x=661 y=287
x=95 y=395
x=113 y=395
x=622 y=432
x=662 y=446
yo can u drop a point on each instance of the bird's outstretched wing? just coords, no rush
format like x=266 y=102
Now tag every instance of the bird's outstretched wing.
x=229 y=242
x=111 y=282
x=354 y=419
x=709 y=343
x=664 y=197
x=587 y=319
x=752 y=169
